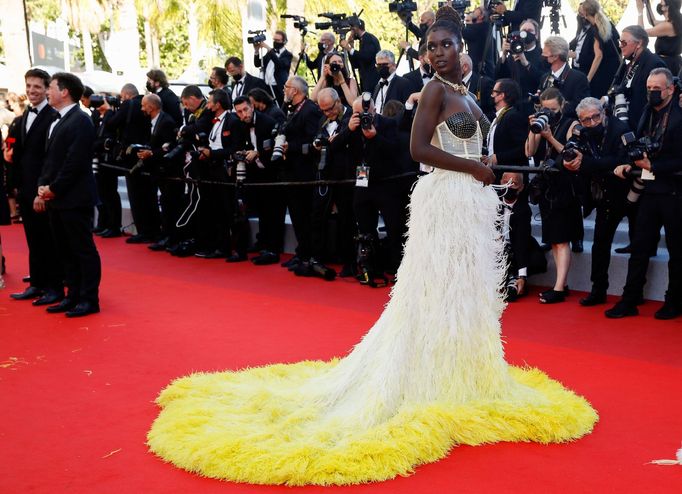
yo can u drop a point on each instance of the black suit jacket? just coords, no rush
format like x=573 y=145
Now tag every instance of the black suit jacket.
x=476 y=36
x=573 y=85
x=526 y=9
x=316 y=63
x=379 y=152
x=364 y=60
x=415 y=78
x=170 y=104
x=241 y=139
x=164 y=132
x=399 y=89
x=29 y=150
x=251 y=82
x=520 y=232
x=339 y=161
x=510 y=138
x=129 y=123
x=68 y=162
x=301 y=130
x=481 y=87
x=282 y=64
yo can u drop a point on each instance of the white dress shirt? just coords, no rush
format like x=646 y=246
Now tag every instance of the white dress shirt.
x=214 y=138
x=62 y=114
x=491 y=133
x=30 y=118
x=381 y=94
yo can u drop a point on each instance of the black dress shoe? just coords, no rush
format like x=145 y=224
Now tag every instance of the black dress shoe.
x=25 y=279
x=111 y=233
x=83 y=309
x=63 y=306
x=236 y=258
x=347 y=271
x=577 y=246
x=139 y=239
x=160 y=245
x=99 y=230
x=623 y=250
x=667 y=311
x=294 y=261
x=50 y=297
x=266 y=257
x=314 y=268
x=593 y=298
x=620 y=310
x=30 y=293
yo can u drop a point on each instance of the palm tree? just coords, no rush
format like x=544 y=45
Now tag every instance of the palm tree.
x=14 y=36
x=86 y=17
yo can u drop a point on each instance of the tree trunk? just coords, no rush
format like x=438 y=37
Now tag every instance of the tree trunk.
x=17 y=55
x=156 y=49
x=149 y=48
x=87 y=51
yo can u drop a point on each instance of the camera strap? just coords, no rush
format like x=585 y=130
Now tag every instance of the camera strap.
x=662 y=126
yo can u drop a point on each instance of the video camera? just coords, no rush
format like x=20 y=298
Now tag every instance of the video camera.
x=366 y=118
x=339 y=23
x=97 y=100
x=300 y=22
x=636 y=148
x=577 y=142
x=553 y=4
x=460 y=6
x=188 y=143
x=259 y=37
x=403 y=8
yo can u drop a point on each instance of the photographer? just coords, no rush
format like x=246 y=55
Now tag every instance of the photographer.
x=630 y=80
x=163 y=137
x=479 y=86
x=157 y=83
x=213 y=211
x=422 y=74
x=557 y=192
x=335 y=164
x=391 y=86
x=572 y=83
x=300 y=164
x=523 y=9
x=508 y=130
x=525 y=64
x=372 y=139
x=131 y=126
x=335 y=76
x=325 y=46
x=243 y=81
x=659 y=205
x=252 y=136
x=477 y=34
x=275 y=65
x=364 y=57
x=264 y=103
x=597 y=153
x=218 y=78
x=427 y=18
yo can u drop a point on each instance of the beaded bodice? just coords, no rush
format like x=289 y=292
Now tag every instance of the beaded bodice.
x=462 y=135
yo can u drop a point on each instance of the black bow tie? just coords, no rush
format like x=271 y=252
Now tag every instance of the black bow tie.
x=426 y=76
x=57 y=117
x=33 y=110
x=383 y=83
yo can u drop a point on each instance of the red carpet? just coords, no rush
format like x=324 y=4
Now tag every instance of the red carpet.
x=76 y=396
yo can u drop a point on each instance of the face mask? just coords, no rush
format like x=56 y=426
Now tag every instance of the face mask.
x=529 y=39
x=595 y=131
x=278 y=45
x=654 y=97
x=237 y=77
x=321 y=46
x=210 y=84
x=545 y=59
x=149 y=87
x=384 y=72
x=423 y=27
x=511 y=194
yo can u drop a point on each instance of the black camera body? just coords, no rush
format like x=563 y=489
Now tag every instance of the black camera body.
x=554 y=4
x=402 y=7
x=460 y=6
x=188 y=143
x=97 y=100
x=541 y=120
x=258 y=37
x=577 y=142
x=335 y=68
x=366 y=118
x=636 y=148
x=339 y=23
x=518 y=40
x=321 y=140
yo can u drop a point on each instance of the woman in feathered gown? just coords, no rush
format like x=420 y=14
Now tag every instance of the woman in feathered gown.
x=430 y=374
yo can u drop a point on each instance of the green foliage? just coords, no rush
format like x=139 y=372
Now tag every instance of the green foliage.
x=43 y=10
x=612 y=8
x=174 y=48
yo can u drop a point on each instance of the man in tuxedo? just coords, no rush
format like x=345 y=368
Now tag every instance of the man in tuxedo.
x=426 y=20
x=163 y=138
x=422 y=74
x=218 y=78
x=391 y=86
x=572 y=83
x=364 y=58
x=275 y=65
x=264 y=103
x=638 y=62
x=509 y=129
x=478 y=85
x=66 y=189
x=157 y=83
x=253 y=136
x=26 y=155
x=243 y=81
x=481 y=46
x=132 y=126
x=325 y=46
x=522 y=10
x=303 y=116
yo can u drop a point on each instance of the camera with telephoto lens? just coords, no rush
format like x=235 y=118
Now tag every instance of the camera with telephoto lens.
x=280 y=139
x=188 y=143
x=617 y=101
x=300 y=22
x=339 y=23
x=366 y=118
x=518 y=40
x=258 y=37
x=577 y=142
x=239 y=159
x=636 y=148
x=541 y=120
x=321 y=140
x=131 y=153
x=97 y=100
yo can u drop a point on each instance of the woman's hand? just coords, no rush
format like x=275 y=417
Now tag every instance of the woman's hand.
x=325 y=69
x=483 y=174
x=546 y=132
x=640 y=6
x=338 y=78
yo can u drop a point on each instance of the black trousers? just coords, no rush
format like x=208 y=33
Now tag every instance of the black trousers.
x=214 y=213
x=389 y=198
x=270 y=206
x=299 y=202
x=72 y=230
x=656 y=211
x=605 y=225
x=44 y=265
x=324 y=200
x=172 y=202
x=110 y=207
x=144 y=204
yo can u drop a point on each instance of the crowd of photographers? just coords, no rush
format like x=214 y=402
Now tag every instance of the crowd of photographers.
x=597 y=114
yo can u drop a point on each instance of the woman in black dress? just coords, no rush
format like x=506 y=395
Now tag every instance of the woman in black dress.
x=598 y=54
x=335 y=75
x=559 y=198
x=668 y=32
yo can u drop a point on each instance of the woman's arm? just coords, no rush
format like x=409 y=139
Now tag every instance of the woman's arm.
x=321 y=84
x=598 y=55
x=425 y=122
x=662 y=28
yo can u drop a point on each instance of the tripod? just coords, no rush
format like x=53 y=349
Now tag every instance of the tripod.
x=406 y=18
x=554 y=16
x=303 y=56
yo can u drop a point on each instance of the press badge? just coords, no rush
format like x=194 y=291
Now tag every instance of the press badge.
x=647 y=175
x=362 y=176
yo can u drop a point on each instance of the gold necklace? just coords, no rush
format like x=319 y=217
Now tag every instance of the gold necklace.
x=460 y=88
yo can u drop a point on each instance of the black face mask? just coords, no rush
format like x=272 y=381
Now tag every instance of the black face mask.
x=210 y=84
x=149 y=87
x=237 y=77
x=423 y=27
x=529 y=39
x=509 y=194
x=321 y=47
x=554 y=117
x=384 y=72
x=596 y=131
x=654 y=97
x=278 y=45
